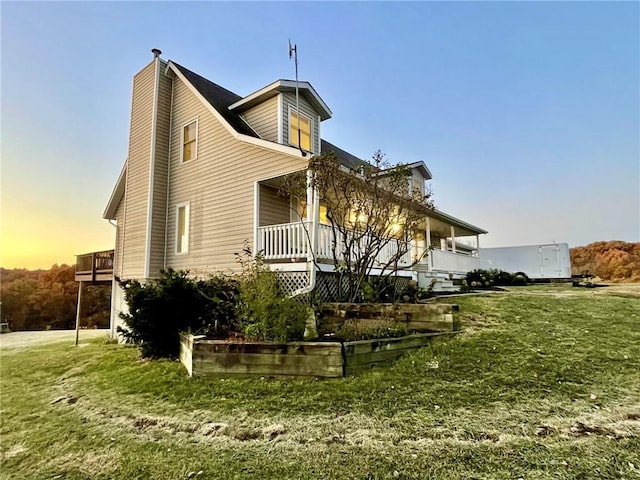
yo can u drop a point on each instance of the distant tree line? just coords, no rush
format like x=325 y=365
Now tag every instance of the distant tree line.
x=47 y=299
x=614 y=261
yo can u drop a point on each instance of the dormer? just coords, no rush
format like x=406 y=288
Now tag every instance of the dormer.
x=419 y=175
x=271 y=112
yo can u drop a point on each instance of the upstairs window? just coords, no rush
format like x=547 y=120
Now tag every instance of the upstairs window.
x=417 y=187
x=302 y=123
x=190 y=141
x=182 y=228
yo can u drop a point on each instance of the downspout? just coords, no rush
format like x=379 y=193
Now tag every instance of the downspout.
x=112 y=329
x=312 y=192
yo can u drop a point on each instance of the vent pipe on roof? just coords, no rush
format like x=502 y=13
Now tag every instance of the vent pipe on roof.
x=156 y=52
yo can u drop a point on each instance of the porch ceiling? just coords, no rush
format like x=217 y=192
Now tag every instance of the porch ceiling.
x=441 y=224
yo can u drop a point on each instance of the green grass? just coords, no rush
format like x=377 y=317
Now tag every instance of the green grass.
x=544 y=383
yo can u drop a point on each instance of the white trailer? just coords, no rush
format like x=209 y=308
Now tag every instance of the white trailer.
x=538 y=262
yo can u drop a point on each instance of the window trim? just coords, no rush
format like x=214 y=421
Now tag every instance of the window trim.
x=292 y=108
x=182 y=160
x=187 y=216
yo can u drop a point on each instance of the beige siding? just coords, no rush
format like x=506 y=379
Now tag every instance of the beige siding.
x=219 y=185
x=159 y=212
x=137 y=184
x=306 y=108
x=263 y=118
x=274 y=208
x=117 y=256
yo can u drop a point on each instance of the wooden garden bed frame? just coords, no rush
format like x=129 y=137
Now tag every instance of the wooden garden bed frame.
x=225 y=358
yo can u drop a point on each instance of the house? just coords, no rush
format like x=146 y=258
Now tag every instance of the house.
x=201 y=178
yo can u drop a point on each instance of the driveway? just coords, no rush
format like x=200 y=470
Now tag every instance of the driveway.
x=22 y=340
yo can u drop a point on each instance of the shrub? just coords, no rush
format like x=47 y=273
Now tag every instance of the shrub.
x=519 y=280
x=220 y=307
x=488 y=278
x=266 y=313
x=161 y=308
x=502 y=278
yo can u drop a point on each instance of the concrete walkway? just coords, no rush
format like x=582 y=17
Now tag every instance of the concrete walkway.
x=22 y=340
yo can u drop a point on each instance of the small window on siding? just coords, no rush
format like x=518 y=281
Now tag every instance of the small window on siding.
x=190 y=141
x=182 y=228
x=305 y=126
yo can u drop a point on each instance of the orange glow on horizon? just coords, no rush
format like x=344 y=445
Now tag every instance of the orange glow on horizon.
x=41 y=243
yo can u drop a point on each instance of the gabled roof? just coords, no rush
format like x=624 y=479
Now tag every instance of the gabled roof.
x=283 y=85
x=116 y=195
x=220 y=98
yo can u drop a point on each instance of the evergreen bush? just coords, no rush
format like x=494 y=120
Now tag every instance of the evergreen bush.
x=162 y=308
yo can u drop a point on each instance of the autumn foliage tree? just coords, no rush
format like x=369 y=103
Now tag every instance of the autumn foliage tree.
x=47 y=299
x=615 y=261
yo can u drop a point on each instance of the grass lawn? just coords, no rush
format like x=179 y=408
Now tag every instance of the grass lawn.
x=544 y=383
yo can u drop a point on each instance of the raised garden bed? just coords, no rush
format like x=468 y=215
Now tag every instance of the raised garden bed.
x=229 y=358
x=420 y=317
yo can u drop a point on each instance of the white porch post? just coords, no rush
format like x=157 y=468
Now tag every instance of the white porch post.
x=310 y=214
x=443 y=244
x=478 y=245
x=427 y=240
x=453 y=239
x=256 y=218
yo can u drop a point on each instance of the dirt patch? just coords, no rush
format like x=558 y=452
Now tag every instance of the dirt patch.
x=580 y=429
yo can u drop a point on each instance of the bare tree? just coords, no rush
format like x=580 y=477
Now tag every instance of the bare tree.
x=374 y=214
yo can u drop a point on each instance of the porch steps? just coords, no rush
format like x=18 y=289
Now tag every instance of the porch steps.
x=442 y=282
x=445 y=286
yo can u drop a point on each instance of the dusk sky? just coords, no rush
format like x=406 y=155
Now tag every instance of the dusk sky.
x=527 y=114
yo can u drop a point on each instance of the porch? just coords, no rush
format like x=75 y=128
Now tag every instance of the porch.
x=283 y=234
x=291 y=243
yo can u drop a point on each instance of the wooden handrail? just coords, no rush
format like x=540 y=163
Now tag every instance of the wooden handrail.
x=95 y=262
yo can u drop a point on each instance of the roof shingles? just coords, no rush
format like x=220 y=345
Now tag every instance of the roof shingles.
x=220 y=98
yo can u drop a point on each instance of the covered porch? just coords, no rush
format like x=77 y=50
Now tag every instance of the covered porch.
x=283 y=235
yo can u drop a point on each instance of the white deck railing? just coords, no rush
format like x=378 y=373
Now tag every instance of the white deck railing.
x=284 y=241
x=441 y=260
x=291 y=241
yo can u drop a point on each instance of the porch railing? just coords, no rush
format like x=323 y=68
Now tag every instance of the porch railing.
x=91 y=265
x=284 y=241
x=291 y=241
x=442 y=260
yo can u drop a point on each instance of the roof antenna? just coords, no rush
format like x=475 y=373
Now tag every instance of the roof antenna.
x=293 y=53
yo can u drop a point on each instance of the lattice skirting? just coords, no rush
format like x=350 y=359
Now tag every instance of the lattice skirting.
x=292 y=281
x=326 y=284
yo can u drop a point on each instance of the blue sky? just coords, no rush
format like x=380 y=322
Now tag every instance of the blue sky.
x=527 y=114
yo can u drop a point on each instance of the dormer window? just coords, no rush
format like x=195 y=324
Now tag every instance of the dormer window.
x=299 y=122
